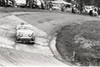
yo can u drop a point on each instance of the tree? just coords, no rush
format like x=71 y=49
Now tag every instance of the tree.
x=2 y=2
x=30 y=3
x=92 y=2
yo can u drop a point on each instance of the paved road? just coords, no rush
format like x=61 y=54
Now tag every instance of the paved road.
x=21 y=54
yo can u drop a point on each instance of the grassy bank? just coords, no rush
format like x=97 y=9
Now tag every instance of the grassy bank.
x=80 y=43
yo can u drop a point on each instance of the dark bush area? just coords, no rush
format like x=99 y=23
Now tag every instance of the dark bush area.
x=80 y=43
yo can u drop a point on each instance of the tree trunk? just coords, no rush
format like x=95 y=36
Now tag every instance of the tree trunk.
x=31 y=3
x=92 y=2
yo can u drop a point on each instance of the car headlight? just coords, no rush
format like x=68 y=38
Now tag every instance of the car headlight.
x=19 y=34
x=31 y=35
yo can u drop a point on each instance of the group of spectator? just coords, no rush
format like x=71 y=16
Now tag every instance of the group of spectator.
x=29 y=3
x=49 y=5
x=92 y=12
x=32 y=4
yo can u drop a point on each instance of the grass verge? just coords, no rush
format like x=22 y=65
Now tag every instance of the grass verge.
x=79 y=44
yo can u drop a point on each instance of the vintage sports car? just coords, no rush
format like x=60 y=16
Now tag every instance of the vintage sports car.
x=25 y=33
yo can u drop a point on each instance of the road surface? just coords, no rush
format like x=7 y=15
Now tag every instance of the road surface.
x=21 y=54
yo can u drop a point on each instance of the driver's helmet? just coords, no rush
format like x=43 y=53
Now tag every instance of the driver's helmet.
x=22 y=23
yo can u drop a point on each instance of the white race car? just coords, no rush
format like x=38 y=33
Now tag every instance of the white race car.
x=25 y=33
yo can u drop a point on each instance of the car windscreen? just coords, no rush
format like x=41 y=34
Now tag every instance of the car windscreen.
x=25 y=28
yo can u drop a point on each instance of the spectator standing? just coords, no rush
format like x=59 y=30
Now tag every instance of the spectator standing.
x=73 y=9
x=62 y=7
x=42 y=6
x=95 y=13
x=27 y=3
x=81 y=7
x=91 y=13
x=50 y=5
